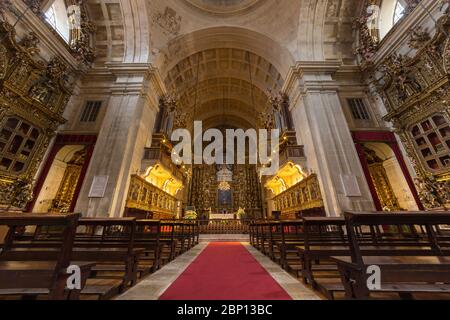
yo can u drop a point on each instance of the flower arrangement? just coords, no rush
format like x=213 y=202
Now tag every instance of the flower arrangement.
x=240 y=213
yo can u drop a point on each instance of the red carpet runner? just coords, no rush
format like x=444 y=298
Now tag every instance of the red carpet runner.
x=225 y=271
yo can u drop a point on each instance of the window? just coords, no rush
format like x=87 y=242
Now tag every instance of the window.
x=391 y=12
x=56 y=16
x=399 y=11
x=432 y=140
x=358 y=109
x=18 y=140
x=90 y=112
x=50 y=16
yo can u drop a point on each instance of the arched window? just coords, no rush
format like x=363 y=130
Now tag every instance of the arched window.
x=391 y=12
x=399 y=12
x=56 y=16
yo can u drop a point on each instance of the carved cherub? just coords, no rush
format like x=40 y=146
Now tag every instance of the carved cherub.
x=30 y=43
x=419 y=36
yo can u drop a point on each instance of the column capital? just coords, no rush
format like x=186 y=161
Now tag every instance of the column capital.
x=310 y=76
x=136 y=78
x=329 y=67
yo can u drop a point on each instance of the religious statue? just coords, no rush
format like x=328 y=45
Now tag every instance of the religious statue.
x=19 y=193
x=419 y=37
x=30 y=43
x=433 y=194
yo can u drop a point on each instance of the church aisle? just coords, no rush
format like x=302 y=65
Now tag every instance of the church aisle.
x=225 y=271
x=220 y=271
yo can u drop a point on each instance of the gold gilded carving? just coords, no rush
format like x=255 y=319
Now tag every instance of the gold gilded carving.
x=304 y=195
x=433 y=193
x=145 y=196
x=16 y=193
x=66 y=190
x=30 y=43
x=416 y=90
x=383 y=187
x=33 y=96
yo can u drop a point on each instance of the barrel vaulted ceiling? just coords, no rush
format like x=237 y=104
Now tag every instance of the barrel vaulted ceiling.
x=221 y=39
x=308 y=29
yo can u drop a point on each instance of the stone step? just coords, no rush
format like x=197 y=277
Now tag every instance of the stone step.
x=224 y=238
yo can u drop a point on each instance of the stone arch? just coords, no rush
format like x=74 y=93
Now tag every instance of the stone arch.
x=221 y=56
x=122 y=30
x=224 y=37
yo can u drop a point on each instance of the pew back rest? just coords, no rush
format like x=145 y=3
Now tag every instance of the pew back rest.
x=291 y=230
x=22 y=229
x=324 y=231
x=167 y=230
x=148 y=230
x=106 y=232
x=406 y=228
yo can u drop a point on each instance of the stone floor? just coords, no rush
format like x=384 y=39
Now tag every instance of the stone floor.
x=153 y=286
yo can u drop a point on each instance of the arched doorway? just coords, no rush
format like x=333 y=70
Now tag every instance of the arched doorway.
x=387 y=175
x=62 y=175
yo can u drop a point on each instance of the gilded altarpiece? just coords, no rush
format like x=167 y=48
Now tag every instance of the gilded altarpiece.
x=245 y=190
x=69 y=182
x=416 y=92
x=381 y=181
x=33 y=95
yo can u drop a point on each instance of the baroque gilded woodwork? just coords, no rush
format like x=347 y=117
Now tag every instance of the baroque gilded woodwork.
x=245 y=189
x=302 y=196
x=383 y=187
x=367 y=24
x=416 y=92
x=81 y=28
x=143 y=195
x=67 y=187
x=33 y=95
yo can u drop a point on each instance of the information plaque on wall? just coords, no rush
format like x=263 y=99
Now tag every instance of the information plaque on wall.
x=98 y=187
x=351 y=187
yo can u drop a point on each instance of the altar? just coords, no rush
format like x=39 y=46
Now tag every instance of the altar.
x=221 y=216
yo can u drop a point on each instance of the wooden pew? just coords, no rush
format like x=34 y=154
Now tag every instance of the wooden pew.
x=252 y=232
x=291 y=237
x=323 y=238
x=110 y=242
x=148 y=233
x=42 y=268
x=407 y=267
x=169 y=242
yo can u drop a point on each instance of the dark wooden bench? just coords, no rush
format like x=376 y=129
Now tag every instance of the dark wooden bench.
x=420 y=267
x=169 y=242
x=42 y=269
x=147 y=236
x=110 y=242
x=291 y=236
x=323 y=237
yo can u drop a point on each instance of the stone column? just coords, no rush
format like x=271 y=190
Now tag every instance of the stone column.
x=125 y=132
x=322 y=128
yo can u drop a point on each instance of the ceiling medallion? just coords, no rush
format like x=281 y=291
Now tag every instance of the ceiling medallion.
x=224 y=7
